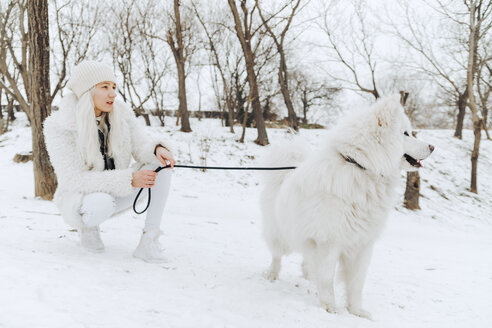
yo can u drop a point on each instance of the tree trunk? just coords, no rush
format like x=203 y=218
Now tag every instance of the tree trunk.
x=412 y=191
x=461 y=114
x=284 y=88
x=229 y=105
x=484 y=122
x=2 y=130
x=1 y=114
x=10 y=109
x=283 y=77
x=262 y=138
x=304 y=107
x=147 y=119
x=245 y=120
x=245 y=40
x=139 y=111
x=178 y=53
x=230 y=116
x=470 y=78
x=44 y=176
x=183 y=105
x=484 y=125
x=474 y=155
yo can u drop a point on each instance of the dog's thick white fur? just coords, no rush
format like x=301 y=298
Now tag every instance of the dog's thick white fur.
x=334 y=205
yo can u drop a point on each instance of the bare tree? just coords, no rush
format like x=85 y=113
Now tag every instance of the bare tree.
x=239 y=91
x=154 y=57
x=14 y=55
x=226 y=58
x=10 y=112
x=175 y=40
x=484 y=85
x=39 y=63
x=479 y=24
x=421 y=108
x=354 y=49
x=124 y=45
x=134 y=52
x=3 y=125
x=74 y=32
x=7 y=27
x=245 y=34
x=310 y=92
x=216 y=60
x=444 y=52
x=283 y=76
x=23 y=67
x=228 y=67
x=270 y=92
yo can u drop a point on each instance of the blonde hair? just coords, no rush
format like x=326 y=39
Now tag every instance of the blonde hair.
x=87 y=130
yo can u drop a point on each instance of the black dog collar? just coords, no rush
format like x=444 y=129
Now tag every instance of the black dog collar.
x=351 y=160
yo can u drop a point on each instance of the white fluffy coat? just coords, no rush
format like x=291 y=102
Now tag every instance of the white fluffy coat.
x=78 y=176
x=331 y=210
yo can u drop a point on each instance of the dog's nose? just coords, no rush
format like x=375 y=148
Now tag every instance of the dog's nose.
x=431 y=147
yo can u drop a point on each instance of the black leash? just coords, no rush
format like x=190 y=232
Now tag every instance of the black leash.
x=232 y=168
x=208 y=168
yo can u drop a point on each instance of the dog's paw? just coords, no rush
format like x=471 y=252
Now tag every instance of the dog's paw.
x=361 y=313
x=270 y=275
x=331 y=308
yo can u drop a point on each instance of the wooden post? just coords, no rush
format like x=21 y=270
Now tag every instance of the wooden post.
x=412 y=190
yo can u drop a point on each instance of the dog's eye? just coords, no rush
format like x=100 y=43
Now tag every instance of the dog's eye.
x=406 y=133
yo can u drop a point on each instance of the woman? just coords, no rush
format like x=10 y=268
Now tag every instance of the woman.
x=91 y=141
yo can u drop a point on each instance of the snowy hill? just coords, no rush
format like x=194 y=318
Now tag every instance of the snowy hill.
x=431 y=268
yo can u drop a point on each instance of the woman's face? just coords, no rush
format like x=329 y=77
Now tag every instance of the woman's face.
x=103 y=97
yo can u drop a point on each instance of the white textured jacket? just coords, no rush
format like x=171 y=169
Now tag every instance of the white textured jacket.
x=75 y=177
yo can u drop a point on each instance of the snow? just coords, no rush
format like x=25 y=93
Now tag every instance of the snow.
x=431 y=268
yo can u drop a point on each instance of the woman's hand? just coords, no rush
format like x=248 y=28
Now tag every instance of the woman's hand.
x=143 y=179
x=164 y=156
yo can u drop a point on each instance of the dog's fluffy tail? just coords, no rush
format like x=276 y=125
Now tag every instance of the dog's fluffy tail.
x=286 y=153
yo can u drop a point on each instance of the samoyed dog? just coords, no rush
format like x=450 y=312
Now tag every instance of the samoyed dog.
x=334 y=205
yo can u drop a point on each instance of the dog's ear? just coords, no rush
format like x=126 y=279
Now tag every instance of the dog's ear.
x=383 y=119
x=383 y=116
x=386 y=110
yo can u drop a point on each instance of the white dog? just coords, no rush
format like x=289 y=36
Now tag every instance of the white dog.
x=333 y=207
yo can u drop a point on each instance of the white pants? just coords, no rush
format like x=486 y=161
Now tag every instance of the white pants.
x=97 y=207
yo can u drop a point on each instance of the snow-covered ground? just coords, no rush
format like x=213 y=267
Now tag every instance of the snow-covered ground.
x=431 y=268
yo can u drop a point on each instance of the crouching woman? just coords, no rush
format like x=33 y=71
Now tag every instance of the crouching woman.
x=91 y=141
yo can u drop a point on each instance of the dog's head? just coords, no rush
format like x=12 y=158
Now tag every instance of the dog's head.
x=380 y=138
x=414 y=150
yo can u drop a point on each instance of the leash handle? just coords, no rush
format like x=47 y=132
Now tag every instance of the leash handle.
x=136 y=199
x=148 y=199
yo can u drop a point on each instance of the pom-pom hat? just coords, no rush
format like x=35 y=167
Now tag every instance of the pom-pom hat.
x=87 y=74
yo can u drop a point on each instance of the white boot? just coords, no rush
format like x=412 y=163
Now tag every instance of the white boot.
x=149 y=248
x=91 y=239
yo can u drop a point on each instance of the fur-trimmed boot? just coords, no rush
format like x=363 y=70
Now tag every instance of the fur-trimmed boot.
x=148 y=248
x=90 y=239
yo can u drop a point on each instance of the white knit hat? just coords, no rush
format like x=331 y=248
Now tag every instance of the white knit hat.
x=87 y=74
